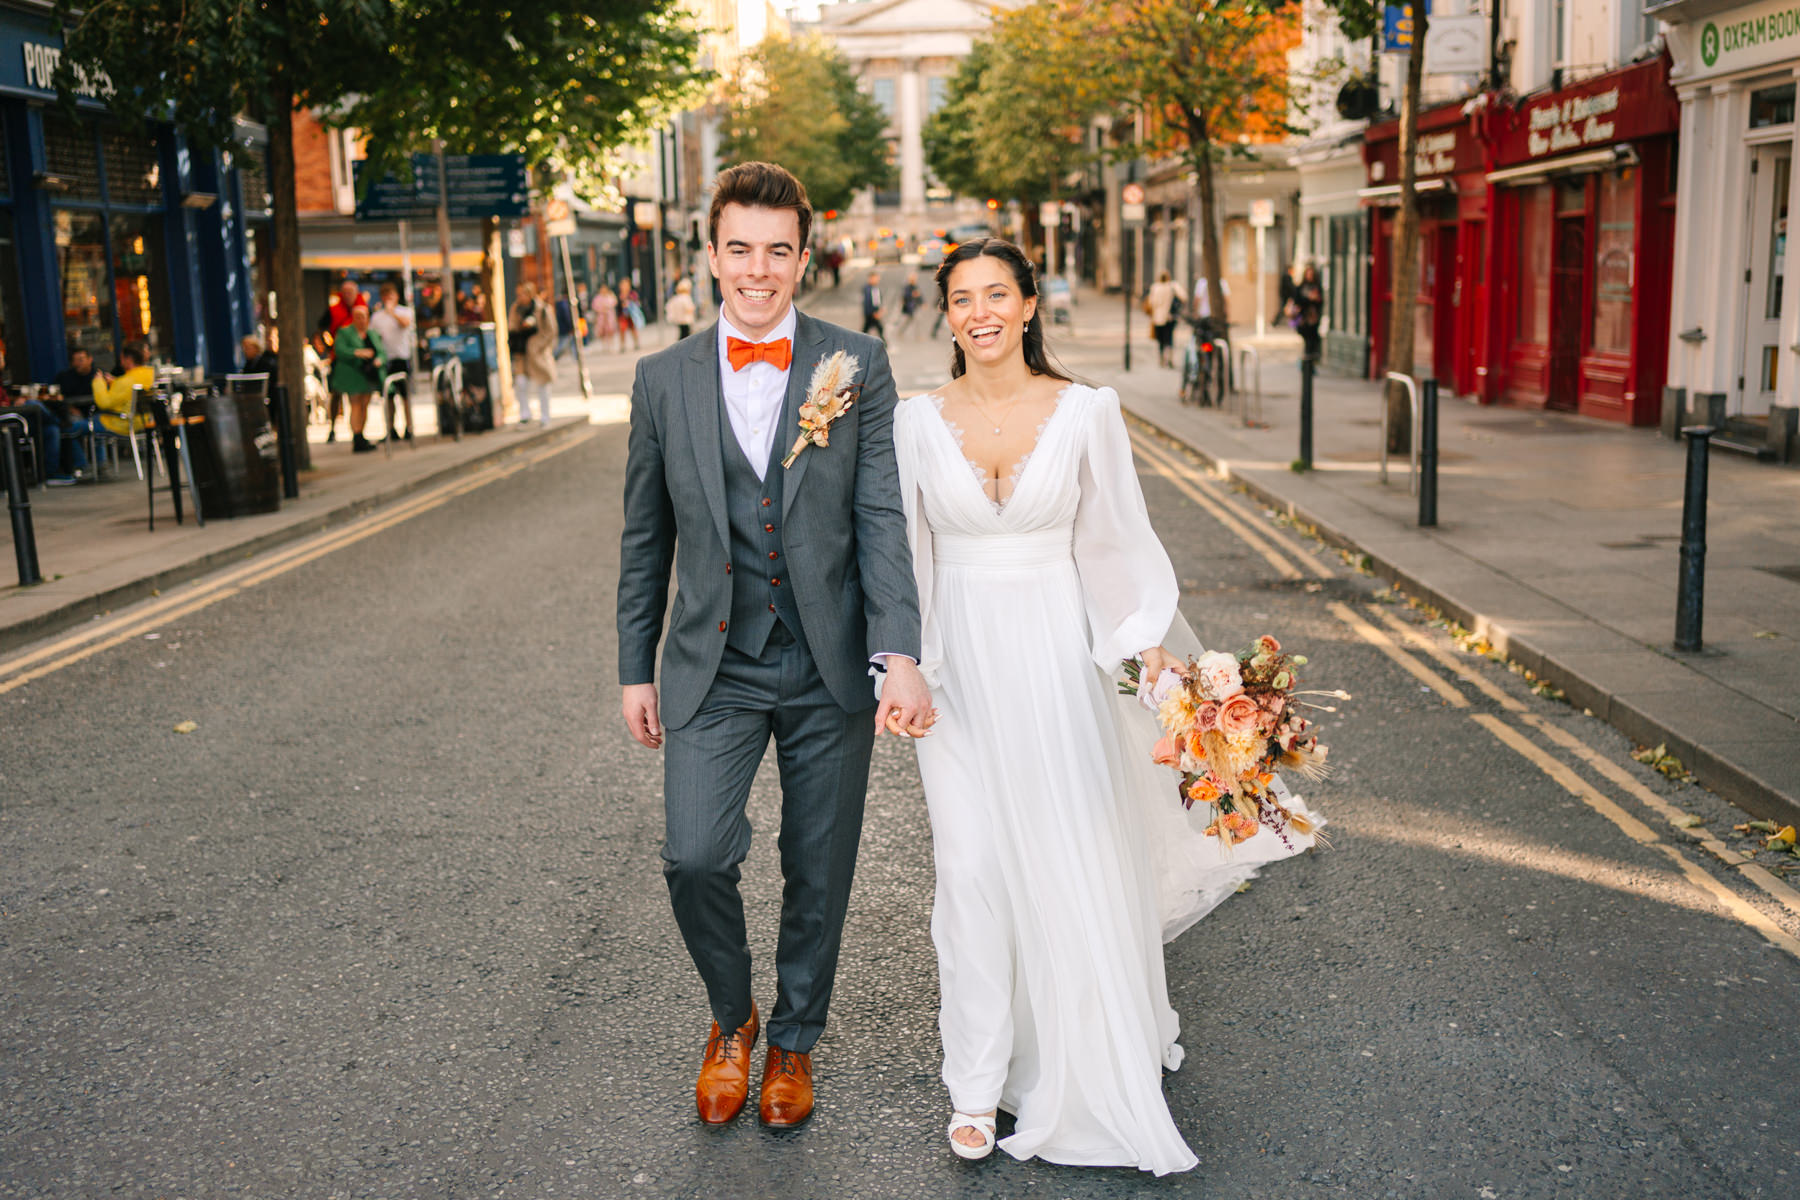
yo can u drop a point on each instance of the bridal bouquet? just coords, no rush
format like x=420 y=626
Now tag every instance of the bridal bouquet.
x=1229 y=721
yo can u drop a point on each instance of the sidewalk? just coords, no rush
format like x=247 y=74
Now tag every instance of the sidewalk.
x=96 y=553
x=1557 y=539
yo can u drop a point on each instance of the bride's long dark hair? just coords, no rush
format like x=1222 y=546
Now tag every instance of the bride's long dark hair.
x=1037 y=357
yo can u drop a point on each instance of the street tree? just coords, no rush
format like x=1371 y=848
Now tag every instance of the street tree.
x=560 y=81
x=794 y=101
x=1013 y=117
x=1207 y=77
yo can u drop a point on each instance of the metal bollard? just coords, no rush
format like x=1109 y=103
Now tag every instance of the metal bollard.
x=1306 y=414
x=1690 y=594
x=19 y=501
x=1428 y=453
x=284 y=443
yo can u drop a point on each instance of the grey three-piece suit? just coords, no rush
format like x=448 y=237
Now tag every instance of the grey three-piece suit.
x=785 y=587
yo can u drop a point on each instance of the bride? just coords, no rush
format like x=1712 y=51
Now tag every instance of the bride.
x=1063 y=857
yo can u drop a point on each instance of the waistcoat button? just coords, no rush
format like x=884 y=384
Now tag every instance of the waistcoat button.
x=721 y=627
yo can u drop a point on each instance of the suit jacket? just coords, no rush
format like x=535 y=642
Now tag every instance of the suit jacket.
x=843 y=529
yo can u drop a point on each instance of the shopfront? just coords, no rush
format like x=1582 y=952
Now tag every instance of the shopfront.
x=1735 y=325
x=1584 y=191
x=110 y=231
x=1449 y=340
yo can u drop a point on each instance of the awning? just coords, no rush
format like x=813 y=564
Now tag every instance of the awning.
x=1622 y=154
x=386 y=260
x=1389 y=193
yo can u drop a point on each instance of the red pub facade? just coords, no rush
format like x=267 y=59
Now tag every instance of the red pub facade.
x=1546 y=244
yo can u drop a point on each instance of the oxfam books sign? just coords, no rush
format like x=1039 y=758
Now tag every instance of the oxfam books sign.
x=1753 y=36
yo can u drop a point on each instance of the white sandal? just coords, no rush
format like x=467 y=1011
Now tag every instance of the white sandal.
x=982 y=1125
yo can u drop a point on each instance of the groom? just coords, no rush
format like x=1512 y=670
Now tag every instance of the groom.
x=791 y=581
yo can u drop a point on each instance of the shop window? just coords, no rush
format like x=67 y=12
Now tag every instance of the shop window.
x=1534 y=265
x=133 y=172
x=1772 y=106
x=86 y=297
x=1237 y=250
x=1616 y=230
x=1778 y=215
x=1571 y=196
x=140 y=280
x=15 y=363
x=72 y=157
x=253 y=176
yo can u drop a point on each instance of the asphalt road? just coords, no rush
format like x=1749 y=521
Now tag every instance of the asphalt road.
x=389 y=922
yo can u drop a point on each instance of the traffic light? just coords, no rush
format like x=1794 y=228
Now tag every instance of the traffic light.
x=993 y=204
x=831 y=214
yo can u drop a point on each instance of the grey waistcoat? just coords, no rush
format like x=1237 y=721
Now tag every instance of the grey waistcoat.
x=759 y=594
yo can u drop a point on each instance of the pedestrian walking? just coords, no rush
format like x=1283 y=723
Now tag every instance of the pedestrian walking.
x=681 y=310
x=565 y=326
x=531 y=340
x=911 y=300
x=871 y=305
x=1307 y=306
x=605 y=310
x=1163 y=304
x=356 y=359
x=631 y=315
x=397 y=326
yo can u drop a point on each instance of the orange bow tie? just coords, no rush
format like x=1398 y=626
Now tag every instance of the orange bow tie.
x=778 y=353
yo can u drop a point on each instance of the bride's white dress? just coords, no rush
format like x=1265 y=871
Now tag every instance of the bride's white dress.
x=1063 y=857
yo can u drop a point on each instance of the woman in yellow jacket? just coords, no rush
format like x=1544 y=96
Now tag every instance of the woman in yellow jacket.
x=112 y=393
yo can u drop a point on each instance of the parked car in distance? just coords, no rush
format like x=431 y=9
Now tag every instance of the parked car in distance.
x=967 y=233
x=933 y=249
x=887 y=245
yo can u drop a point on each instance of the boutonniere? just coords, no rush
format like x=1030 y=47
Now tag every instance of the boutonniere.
x=828 y=397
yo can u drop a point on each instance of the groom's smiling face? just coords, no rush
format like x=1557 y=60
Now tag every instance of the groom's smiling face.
x=757 y=259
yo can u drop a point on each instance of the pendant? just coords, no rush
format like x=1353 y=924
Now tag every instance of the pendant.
x=996 y=431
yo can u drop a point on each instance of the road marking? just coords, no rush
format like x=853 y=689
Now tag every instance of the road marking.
x=141 y=619
x=1423 y=641
x=1175 y=474
x=1407 y=662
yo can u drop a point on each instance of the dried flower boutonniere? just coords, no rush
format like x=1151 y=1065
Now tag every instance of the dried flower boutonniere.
x=828 y=397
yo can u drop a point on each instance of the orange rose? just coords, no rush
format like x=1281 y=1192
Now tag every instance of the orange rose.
x=1238 y=716
x=1241 y=826
x=1268 y=645
x=1166 y=753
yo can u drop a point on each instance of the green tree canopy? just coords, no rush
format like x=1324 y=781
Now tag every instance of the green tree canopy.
x=794 y=101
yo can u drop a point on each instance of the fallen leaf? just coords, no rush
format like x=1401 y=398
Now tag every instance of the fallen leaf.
x=1690 y=821
x=1767 y=633
x=187 y=727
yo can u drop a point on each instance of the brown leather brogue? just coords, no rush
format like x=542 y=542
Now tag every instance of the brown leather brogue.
x=787 y=1091
x=725 y=1073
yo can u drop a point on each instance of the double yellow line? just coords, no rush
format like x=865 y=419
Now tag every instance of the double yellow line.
x=1403 y=643
x=140 y=619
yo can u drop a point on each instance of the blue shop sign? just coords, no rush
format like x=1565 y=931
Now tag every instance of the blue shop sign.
x=1397 y=25
x=29 y=54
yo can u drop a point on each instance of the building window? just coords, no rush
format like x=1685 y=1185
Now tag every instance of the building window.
x=1778 y=215
x=14 y=360
x=140 y=280
x=1237 y=249
x=133 y=174
x=1772 y=106
x=1616 y=229
x=1534 y=265
x=71 y=157
x=86 y=296
x=882 y=92
x=937 y=91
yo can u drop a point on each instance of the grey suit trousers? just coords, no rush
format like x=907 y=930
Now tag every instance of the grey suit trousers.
x=709 y=763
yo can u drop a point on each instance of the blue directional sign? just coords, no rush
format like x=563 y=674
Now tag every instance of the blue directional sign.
x=477 y=185
x=1397 y=25
x=389 y=199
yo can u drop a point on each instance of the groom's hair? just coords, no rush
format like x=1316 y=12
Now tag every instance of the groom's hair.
x=759 y=185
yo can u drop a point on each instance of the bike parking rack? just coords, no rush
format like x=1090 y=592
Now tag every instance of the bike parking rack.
x=1412 y=392
x=1248 y=354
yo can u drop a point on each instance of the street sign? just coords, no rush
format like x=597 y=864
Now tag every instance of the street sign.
x=559 y=218
x=1049 y=213
x=476 y=185
x=1397 y=26
x=1132 y=193
x=1131 y=204
x=1262 y=213
x=388 y=199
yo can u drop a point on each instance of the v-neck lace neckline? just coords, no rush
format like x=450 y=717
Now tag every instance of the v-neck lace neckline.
x=1017 y=474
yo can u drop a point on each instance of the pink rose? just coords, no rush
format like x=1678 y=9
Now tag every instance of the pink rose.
x=1268 y=645
x=1238 y=715
x=1206 y=717
x=1219 y=675
x=1166 y=753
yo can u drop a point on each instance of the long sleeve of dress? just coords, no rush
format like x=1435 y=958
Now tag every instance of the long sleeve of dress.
x=1127 y=580
x=918 y=530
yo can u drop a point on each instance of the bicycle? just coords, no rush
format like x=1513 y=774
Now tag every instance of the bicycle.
x=1205 y=364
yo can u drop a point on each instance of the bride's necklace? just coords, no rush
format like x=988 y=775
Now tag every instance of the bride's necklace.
x=989 y=417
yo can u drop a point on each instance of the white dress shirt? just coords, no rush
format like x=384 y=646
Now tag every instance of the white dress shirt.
x=754 y=396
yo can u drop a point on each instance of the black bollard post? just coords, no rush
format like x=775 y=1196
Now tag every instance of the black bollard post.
x=1306 y=413
x=18 y=499
x=1428 y=453
x=1690 y=595
x=284 y=443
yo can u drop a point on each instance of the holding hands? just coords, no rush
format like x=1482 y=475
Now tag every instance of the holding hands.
x=905 y=709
